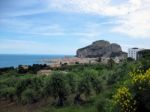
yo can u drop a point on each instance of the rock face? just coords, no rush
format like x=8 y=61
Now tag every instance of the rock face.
x=100 y=48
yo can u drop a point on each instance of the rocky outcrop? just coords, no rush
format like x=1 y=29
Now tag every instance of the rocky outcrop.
x=101 y=48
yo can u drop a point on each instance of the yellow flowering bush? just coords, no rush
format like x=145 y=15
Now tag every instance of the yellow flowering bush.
x=124 y=101
x=140 y=80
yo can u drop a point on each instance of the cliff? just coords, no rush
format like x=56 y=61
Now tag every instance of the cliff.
x=101 y=48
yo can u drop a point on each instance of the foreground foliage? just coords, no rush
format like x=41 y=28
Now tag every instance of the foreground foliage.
x=136 y=97
x=114 y=87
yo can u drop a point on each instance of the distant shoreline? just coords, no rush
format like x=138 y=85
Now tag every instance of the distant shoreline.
x=14 y=60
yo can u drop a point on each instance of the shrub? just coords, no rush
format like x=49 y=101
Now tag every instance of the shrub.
x=8 y=93
x=21 y=85
x=72 y=81
x=117 y=75
x=141 y=81
x=85 y=86
x=124 y=101
x=100 y=105
x=141 y=89
x=104 y=105
x=29 y=96
x=89 y=82
x=37 y=82
x=137 y=98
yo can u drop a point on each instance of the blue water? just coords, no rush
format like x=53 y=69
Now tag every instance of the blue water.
x=15 y=60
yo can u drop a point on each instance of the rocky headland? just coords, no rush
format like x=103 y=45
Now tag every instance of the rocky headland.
x=101 y=48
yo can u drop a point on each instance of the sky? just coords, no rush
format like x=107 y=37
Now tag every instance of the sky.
x=63 y=26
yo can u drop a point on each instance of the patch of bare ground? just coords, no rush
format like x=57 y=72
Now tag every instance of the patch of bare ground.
x=7 y=106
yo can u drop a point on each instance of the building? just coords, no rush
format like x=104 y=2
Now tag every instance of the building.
x=132 y=52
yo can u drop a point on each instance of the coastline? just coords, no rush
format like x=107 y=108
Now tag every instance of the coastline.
x=14 y=60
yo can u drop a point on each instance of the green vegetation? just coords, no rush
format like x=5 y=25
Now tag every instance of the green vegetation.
x=123 y=87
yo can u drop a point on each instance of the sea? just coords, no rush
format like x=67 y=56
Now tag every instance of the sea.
x=9 y=60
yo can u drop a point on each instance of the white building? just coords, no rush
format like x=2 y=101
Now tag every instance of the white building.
x=132 y=52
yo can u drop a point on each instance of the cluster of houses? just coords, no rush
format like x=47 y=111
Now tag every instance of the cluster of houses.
x=75 y=60
x=69 y=61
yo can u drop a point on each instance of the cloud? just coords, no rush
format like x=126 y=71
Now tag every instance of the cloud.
x=135 y=25
x=102 y=7
x=19 y=44
x=51 y=29
x=81 y=6
x=132 y=17
x=87 y=40
x=33 y=47
x=88 y=30
x=31 y=27
x=16 y=8
x=125 y=47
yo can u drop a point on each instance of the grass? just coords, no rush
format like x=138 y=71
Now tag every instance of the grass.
x=69 y=109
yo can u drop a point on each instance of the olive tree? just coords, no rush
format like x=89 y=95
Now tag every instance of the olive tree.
x=59 y=87
x=88 y=83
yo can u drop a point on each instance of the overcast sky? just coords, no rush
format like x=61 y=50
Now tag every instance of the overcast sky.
x=63 y=26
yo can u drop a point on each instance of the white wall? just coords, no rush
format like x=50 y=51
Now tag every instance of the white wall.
x=132 y=52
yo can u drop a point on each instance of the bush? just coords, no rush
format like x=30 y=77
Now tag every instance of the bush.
x=29 y=96
x=89 y=82
x=72 y=81
x=129 y=59
x=104 y=105
x=8 y=93
x=141 y=89
x=117 y=75
x=85 y=86
x=21 y=85
x=136 y=98
x=124 y=101
x=37 y=83
x=100 y=105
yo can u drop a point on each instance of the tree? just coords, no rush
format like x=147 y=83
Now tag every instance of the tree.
x=89 y=82
x=129 y=59
x=21 y=85
x=71 y=80
x=99 y=59
x=22 y=70
x=110 y=63
x=59 y=87
x=29 y=96
x=8 y=93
